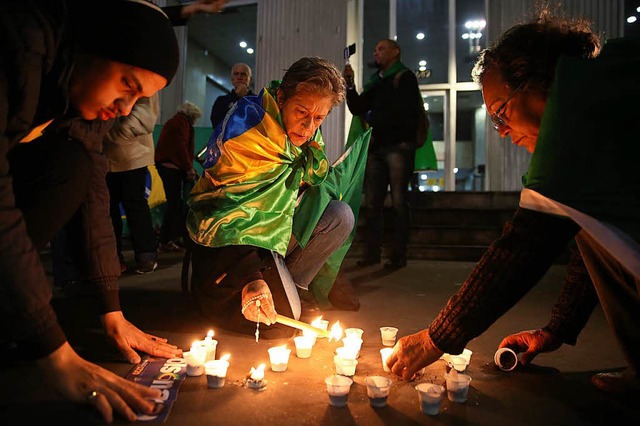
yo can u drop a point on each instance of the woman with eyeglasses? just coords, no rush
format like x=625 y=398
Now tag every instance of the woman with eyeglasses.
x=547 y=86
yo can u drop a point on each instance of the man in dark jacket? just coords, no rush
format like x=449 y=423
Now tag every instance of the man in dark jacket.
x=389 y=104
x=66 y=76
x=240 y=79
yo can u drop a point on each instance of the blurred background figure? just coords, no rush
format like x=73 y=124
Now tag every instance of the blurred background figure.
x=129 y=149
x=240 y=79
x=174 y=161
x=388 y=103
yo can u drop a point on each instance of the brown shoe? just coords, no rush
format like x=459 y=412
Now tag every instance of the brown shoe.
x=616 y=382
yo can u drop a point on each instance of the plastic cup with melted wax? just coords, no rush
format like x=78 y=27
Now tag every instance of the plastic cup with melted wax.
x=457 y=386
x=430 y=397
x=378 y=388
x=506 y=359
x=338 y=389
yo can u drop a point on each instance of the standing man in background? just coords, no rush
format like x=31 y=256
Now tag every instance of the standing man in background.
x=388 y=104
x=240 y=79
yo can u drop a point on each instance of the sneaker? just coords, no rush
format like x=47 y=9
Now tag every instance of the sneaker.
x=169 y=247
x=616 y=382
x=146 y=267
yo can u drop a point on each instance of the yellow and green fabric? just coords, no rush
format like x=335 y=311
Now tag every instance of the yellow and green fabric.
x=247 y=192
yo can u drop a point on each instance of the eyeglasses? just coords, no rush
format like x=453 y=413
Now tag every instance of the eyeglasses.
x=496 y=117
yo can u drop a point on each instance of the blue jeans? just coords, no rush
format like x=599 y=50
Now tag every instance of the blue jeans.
x=331 y=231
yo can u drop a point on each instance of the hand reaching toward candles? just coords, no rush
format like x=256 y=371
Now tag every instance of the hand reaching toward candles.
x=531 y=342
x=258 y=290
x=412 y=353
x=84 y=382
x=127 y=337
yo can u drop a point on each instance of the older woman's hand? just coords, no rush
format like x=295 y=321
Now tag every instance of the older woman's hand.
x=531 y=343
x=256 y=297
x=412 y=353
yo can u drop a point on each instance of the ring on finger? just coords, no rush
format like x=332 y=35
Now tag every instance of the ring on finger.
x=93 y=395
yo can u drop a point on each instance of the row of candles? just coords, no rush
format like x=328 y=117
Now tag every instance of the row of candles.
x=201 y=358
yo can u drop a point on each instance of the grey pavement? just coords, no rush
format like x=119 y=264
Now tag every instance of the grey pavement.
x=554 y=391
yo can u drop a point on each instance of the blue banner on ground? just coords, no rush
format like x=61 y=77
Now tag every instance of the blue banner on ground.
x=160 y=373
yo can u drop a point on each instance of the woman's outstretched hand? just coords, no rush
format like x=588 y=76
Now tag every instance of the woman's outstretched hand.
x=83 y=382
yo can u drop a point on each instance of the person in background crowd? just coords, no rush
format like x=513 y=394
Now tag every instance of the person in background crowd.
x=174 y=161
x=387 y=104
x=240 y=79
x=129 y=149
x=525 y=77
x=71 y=74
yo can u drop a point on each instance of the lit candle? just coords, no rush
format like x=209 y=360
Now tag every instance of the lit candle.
x=279 y=356
x=345 y=352
x=195 y=359
x=311 y=335
x=304 y=344
x=216 y=370
x=336 y=332
x=353 y=343
x=255 y=379
x=257 y=373
x=210 y=346
x=355 y=332
x=385 y=353
x=321 y=324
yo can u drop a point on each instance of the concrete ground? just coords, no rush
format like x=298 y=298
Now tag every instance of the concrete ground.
x=555 y=391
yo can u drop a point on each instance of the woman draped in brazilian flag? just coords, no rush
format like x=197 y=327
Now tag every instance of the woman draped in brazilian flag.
x=247 y=263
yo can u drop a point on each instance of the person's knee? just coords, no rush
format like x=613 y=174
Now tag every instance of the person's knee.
x=343 y=215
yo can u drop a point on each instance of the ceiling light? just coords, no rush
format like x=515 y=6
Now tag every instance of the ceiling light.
x=420 y=36
x=422 y=63
x=631 y=19
x=243 y=44
x=250 y=51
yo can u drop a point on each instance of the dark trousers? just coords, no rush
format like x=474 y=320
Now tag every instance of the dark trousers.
x=50 y=182
x=175 y=213
x=217 y=280
x=619 y=294
x=129 y=189
x=388 y=169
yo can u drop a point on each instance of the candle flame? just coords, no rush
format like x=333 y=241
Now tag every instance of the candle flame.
x=316 y=322
x=210 y=334
x=257 y=373
x=225 y=357
x=336 y=332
